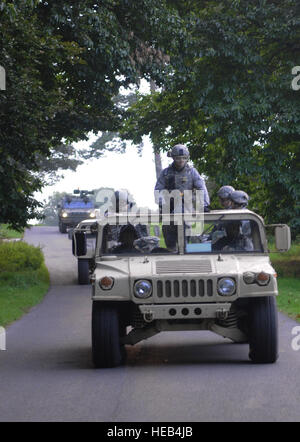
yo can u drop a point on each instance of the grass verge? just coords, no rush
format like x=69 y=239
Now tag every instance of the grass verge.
x=7 y=233
x=19 y=291
x=288 y=300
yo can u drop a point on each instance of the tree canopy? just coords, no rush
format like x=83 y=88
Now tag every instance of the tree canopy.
x=229 y=98
x=225 y=71
x=65 y=62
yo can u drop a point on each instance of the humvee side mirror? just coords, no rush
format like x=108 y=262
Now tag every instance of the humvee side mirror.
x=282 y=238
x=79 y=247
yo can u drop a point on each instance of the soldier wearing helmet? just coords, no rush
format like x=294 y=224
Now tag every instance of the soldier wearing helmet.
x=180 y=175
x=239 y=199
x=224 y=196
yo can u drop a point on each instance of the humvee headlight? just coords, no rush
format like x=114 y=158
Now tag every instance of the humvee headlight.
x=106 y=283
x=226 y=286
x=92 y=214
x=142 y=289
x=263 y=278
x=249 y=277
x=260 y=278
x=64 y=214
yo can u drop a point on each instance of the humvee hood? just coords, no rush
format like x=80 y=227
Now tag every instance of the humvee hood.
x=139 y=266
x=209 y=265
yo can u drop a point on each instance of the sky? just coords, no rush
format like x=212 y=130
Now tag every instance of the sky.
x=129 y=170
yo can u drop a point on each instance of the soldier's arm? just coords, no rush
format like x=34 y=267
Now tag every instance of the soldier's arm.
x=160 y=185
x=161 y=182
x=199 y=183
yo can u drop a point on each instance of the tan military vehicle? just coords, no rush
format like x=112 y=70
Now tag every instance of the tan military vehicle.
x=218 y=277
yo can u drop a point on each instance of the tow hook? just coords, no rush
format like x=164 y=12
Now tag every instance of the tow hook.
x=148 y=316
x=222 y=313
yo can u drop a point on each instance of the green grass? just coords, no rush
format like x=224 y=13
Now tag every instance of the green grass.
x=7 y=233
x=19 y=291
x=288 y=300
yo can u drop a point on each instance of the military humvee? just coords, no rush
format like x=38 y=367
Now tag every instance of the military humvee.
x=218 y=278
x=74 y=208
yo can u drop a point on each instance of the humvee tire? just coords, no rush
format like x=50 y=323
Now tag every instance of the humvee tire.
x=83 y=271
x=106 y=348
x=263 y=330
x=62 y=227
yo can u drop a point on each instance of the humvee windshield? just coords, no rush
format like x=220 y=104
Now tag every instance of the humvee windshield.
x=223 y=236
x=226 y=236
x=138 y=239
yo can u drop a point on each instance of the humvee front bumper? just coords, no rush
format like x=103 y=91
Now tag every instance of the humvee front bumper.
x=151 y=312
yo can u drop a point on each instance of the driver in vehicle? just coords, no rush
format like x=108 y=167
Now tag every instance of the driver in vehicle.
x=127 y=237
x=234 y=240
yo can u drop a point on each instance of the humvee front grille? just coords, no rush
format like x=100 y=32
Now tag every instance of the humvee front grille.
x=190 y=289
x=199 y=266
x=79 y=214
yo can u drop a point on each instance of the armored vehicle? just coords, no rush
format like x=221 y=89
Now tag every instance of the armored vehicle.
x=74 y=208
x=218 y=277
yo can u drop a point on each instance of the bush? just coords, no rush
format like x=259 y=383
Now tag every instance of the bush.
x=288 y=269
x=18 y=256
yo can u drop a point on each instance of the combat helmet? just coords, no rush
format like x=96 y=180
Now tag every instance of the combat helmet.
x=225 y=192
x=179 y=150
x=239 y=198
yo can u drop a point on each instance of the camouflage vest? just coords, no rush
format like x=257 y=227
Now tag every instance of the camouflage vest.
x=178 y=179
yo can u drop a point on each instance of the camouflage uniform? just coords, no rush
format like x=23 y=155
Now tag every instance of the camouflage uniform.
x=185 y=179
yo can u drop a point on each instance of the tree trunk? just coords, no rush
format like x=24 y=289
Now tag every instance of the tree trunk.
x=157 y=157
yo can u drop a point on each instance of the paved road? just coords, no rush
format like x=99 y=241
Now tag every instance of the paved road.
x=46 y=372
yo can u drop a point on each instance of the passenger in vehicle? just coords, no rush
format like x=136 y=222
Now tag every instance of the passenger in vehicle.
x=234 y=240
x=224 y=196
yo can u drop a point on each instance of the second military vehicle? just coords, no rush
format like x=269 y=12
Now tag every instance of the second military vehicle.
x=74 y=208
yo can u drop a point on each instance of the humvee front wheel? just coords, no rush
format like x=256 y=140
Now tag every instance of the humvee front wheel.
x=106 y=348
x=263 y=330
x=83 y=271
x=62 y=227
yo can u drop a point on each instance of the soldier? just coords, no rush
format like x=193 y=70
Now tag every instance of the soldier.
x=127 y=236
x=224 y=196
x=124 y=205
x=180 y=176
x=239 y=199
x=234 y=239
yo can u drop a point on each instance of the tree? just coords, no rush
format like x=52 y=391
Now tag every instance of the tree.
x=229 y=98
x=50 y=214
x=64 y=62
x=63 y=157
